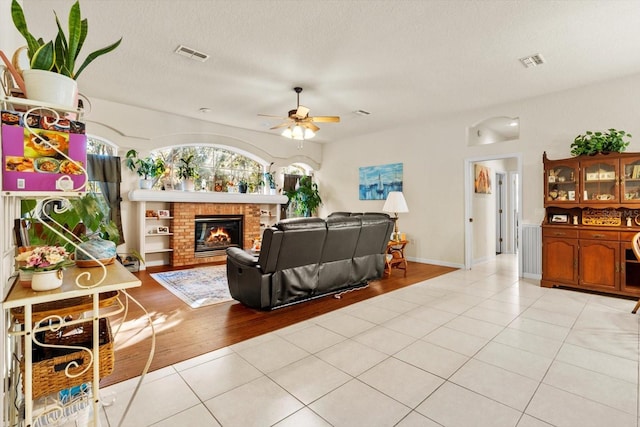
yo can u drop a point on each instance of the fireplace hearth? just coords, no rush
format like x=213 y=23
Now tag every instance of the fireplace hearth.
x=215 y=233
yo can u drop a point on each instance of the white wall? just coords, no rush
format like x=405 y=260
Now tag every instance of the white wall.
x=433 y=153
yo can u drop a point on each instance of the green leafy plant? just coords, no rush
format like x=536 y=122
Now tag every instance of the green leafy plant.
x=147 y=167
x=591 y=143
x=270 y=178
x=60 y=55
x=305 y=198
x=85 y=217
x=186 y=168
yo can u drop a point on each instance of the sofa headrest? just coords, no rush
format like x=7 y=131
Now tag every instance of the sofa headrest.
x=374 y=218
x=339 y=214
x=343 y=222
x=301 y=224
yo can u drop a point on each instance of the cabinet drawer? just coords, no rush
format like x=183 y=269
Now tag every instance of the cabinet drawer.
x=560 y=232
x=599 y=235
x=627 y=236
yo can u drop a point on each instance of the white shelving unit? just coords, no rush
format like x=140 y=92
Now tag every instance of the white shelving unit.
x=155 y=247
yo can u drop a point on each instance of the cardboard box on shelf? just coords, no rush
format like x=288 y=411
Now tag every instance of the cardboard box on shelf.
x=30 y=163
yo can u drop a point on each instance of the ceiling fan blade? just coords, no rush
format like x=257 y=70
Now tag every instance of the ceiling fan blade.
x=311 y=126
x=325 y=119
x=281 y=125
x=275 y=117
x=302 y=112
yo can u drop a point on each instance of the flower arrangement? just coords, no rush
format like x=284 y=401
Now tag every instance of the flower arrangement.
x=44 y=258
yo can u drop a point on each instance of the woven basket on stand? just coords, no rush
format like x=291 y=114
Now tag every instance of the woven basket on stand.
x=48 y=364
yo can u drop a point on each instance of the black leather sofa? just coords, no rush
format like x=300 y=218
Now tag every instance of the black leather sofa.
x=305 y=258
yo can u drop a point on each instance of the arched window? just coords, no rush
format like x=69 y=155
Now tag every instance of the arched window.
x=219 y=169
x=101 y=146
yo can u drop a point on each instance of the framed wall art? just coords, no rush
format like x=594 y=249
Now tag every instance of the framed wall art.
x=482 y=181
x=377 y=181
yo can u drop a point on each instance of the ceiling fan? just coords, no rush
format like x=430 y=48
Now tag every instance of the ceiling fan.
x=299 y=124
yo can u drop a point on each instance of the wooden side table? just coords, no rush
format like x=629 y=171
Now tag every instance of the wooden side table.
x=394 y=257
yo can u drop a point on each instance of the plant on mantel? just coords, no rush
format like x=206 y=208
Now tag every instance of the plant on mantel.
x=591 y=143
x=148 y=168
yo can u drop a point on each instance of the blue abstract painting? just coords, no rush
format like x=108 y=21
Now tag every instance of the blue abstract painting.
x=377 y=181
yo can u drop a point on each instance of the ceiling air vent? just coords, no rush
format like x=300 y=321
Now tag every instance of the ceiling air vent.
x=191 y=53
x=362 y=112
x=532 y=61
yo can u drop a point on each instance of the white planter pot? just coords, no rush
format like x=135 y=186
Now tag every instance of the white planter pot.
x=272 y=191
x=145 y=184
x=46 y=280
x=188 y=185
x=50 y=87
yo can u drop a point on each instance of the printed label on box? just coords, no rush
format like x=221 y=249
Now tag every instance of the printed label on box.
x=30 y=163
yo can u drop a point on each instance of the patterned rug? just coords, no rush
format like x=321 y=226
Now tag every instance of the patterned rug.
x=197 y=287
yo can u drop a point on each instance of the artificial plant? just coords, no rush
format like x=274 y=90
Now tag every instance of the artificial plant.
x=305 y=197
x=147 y=167
x=591 y=143
x=58 y=56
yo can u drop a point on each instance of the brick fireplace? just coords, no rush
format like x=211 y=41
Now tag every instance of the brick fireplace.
x=183 y=227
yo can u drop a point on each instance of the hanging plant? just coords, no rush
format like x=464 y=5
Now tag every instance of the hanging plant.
x=591 y=143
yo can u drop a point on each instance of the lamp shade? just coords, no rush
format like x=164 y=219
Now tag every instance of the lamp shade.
x=395 y=203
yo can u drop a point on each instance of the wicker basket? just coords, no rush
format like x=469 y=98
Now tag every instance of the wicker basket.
x=48 y=364
x=70 y=307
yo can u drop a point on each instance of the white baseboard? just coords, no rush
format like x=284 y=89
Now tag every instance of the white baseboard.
x=435 y=262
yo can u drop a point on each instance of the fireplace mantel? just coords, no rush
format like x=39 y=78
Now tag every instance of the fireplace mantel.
x=205 y=197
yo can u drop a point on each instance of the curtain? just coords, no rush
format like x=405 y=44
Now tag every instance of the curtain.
x=106 y=171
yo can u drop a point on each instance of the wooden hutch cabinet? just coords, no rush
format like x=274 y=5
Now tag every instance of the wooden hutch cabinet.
x=592 y=206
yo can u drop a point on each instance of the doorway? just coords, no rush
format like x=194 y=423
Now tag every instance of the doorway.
x=511 y=195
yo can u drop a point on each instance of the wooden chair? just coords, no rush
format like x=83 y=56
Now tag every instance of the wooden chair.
x=636 y=250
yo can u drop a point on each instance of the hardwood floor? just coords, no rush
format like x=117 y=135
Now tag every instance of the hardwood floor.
x=183 y=332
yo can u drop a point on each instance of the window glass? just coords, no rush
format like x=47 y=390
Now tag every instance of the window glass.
x=218 y=168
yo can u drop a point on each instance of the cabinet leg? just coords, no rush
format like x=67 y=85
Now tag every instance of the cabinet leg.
x=636 y=307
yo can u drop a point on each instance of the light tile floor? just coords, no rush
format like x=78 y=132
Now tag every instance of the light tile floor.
x=470 y=348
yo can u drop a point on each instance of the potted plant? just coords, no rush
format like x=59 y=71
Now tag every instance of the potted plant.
x=270 y=181
x=84 y=226
x=188 y=172
x=242 y=185
x=305 y=198
x=148 y=168
x=56 y=59
x=591 y=143
x=46 y=264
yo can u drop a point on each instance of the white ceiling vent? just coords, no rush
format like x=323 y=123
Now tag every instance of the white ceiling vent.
x=191 y=53
x=532 y=61
x=362 y=112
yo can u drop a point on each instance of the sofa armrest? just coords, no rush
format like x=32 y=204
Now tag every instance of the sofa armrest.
x=242 y=257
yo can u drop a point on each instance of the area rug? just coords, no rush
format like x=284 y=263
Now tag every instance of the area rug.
x=197 y=287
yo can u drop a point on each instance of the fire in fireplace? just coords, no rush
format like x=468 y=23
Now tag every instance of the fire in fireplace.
x=215 y=233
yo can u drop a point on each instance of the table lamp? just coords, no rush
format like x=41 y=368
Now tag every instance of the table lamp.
x=395 y=204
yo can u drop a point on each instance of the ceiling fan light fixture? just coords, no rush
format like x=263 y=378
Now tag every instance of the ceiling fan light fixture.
x=298 y=132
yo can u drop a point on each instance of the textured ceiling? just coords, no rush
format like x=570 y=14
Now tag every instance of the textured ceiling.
x=403 y=61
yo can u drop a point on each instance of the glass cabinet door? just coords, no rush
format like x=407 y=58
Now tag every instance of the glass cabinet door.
x=630 y=190
x=561 y=184
x=600 y=181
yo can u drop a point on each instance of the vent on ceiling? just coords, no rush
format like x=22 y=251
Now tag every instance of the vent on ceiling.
x=191 y=53
x=532 y=61
x=362 y=112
